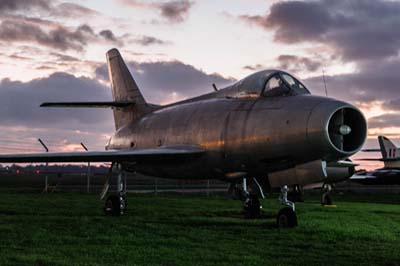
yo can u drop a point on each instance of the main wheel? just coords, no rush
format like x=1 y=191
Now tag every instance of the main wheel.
x=112 y=206
x=286 y=218
x=326 y=199
x=252 y=207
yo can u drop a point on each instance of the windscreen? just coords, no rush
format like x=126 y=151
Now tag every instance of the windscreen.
x=282 y=84
x=294 y=84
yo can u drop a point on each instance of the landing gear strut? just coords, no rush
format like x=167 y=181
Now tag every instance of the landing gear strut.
x=286 y=217
x=251 y=206
x=115 y=205
x=296 y=194
x=326 y=197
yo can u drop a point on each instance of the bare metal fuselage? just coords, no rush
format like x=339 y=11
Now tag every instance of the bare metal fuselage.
x=249 y=135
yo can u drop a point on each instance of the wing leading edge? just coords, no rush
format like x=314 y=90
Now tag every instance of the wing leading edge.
x=144 y=155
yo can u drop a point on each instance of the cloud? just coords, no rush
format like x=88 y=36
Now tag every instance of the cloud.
x=71 y=10
x=382 y=121
x=47 y=8
x=298 y=63
x=19 y=101
x=23 y=121
x=51 y=34
x=375 y=81
x=150 y=40
x=254 y=67
x=158 y=80
x=108 y=35
x=58 y=38
x=392 y=105
x=14 y=5
x=357 y=30
x=175 y=11
x=64 y=57
x=45 y=22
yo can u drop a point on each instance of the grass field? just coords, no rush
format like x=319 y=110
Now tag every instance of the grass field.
x=70 y=229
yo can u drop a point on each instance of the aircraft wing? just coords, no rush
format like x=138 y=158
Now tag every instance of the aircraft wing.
x=145 y=155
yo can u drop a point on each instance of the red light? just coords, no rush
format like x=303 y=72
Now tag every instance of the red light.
x=37 y=172
x=18 y=171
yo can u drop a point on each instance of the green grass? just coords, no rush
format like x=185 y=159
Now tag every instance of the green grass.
x=70 y=229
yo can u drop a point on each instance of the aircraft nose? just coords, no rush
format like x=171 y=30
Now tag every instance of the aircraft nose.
x=337 y=127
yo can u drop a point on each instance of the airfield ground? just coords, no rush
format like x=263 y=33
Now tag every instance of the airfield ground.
x=70 y=229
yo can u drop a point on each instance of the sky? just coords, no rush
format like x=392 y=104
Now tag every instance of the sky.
x=54 y=50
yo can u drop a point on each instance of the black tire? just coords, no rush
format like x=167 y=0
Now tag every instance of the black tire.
x=326 y=199
x=252 y=207
x=112 y=206
x=286 y=218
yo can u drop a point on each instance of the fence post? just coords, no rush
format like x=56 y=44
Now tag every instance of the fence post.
x=46 y=181
x=88 y=171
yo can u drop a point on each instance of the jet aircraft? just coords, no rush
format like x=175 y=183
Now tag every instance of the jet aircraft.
x=390 y=173
x=264 y=132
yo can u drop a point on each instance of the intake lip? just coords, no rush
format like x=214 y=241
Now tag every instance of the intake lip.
x=346 y=130
x=335 y=130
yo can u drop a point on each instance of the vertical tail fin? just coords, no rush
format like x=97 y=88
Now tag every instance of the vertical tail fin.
x=388 y=149
x=124 y=89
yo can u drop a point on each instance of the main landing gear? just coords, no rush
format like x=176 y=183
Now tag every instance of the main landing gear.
x=286 y=217
x=296 y=194
x=326 y=197
x=116 y=205
x=251 y=203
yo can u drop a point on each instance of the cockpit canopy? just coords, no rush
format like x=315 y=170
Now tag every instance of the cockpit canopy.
x=268 y=83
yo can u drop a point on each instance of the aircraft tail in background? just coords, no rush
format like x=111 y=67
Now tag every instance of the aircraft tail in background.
x=390 y=153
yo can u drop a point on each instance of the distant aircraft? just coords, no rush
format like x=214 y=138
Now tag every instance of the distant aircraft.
x=264 y=132
x=390 y=173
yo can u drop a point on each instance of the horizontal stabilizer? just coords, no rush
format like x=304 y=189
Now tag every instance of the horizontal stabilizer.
x=177 y=153
x=88 y=104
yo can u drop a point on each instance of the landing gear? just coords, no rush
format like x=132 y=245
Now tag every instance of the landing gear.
x=112 y=206
x=286 y=217
x=326 y=197
x=251 y=206
x=296 y=194
x=115 y=205
x=235 y=192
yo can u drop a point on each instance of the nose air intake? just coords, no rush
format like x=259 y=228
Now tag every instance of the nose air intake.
x=336 y=128
x=347 y=130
